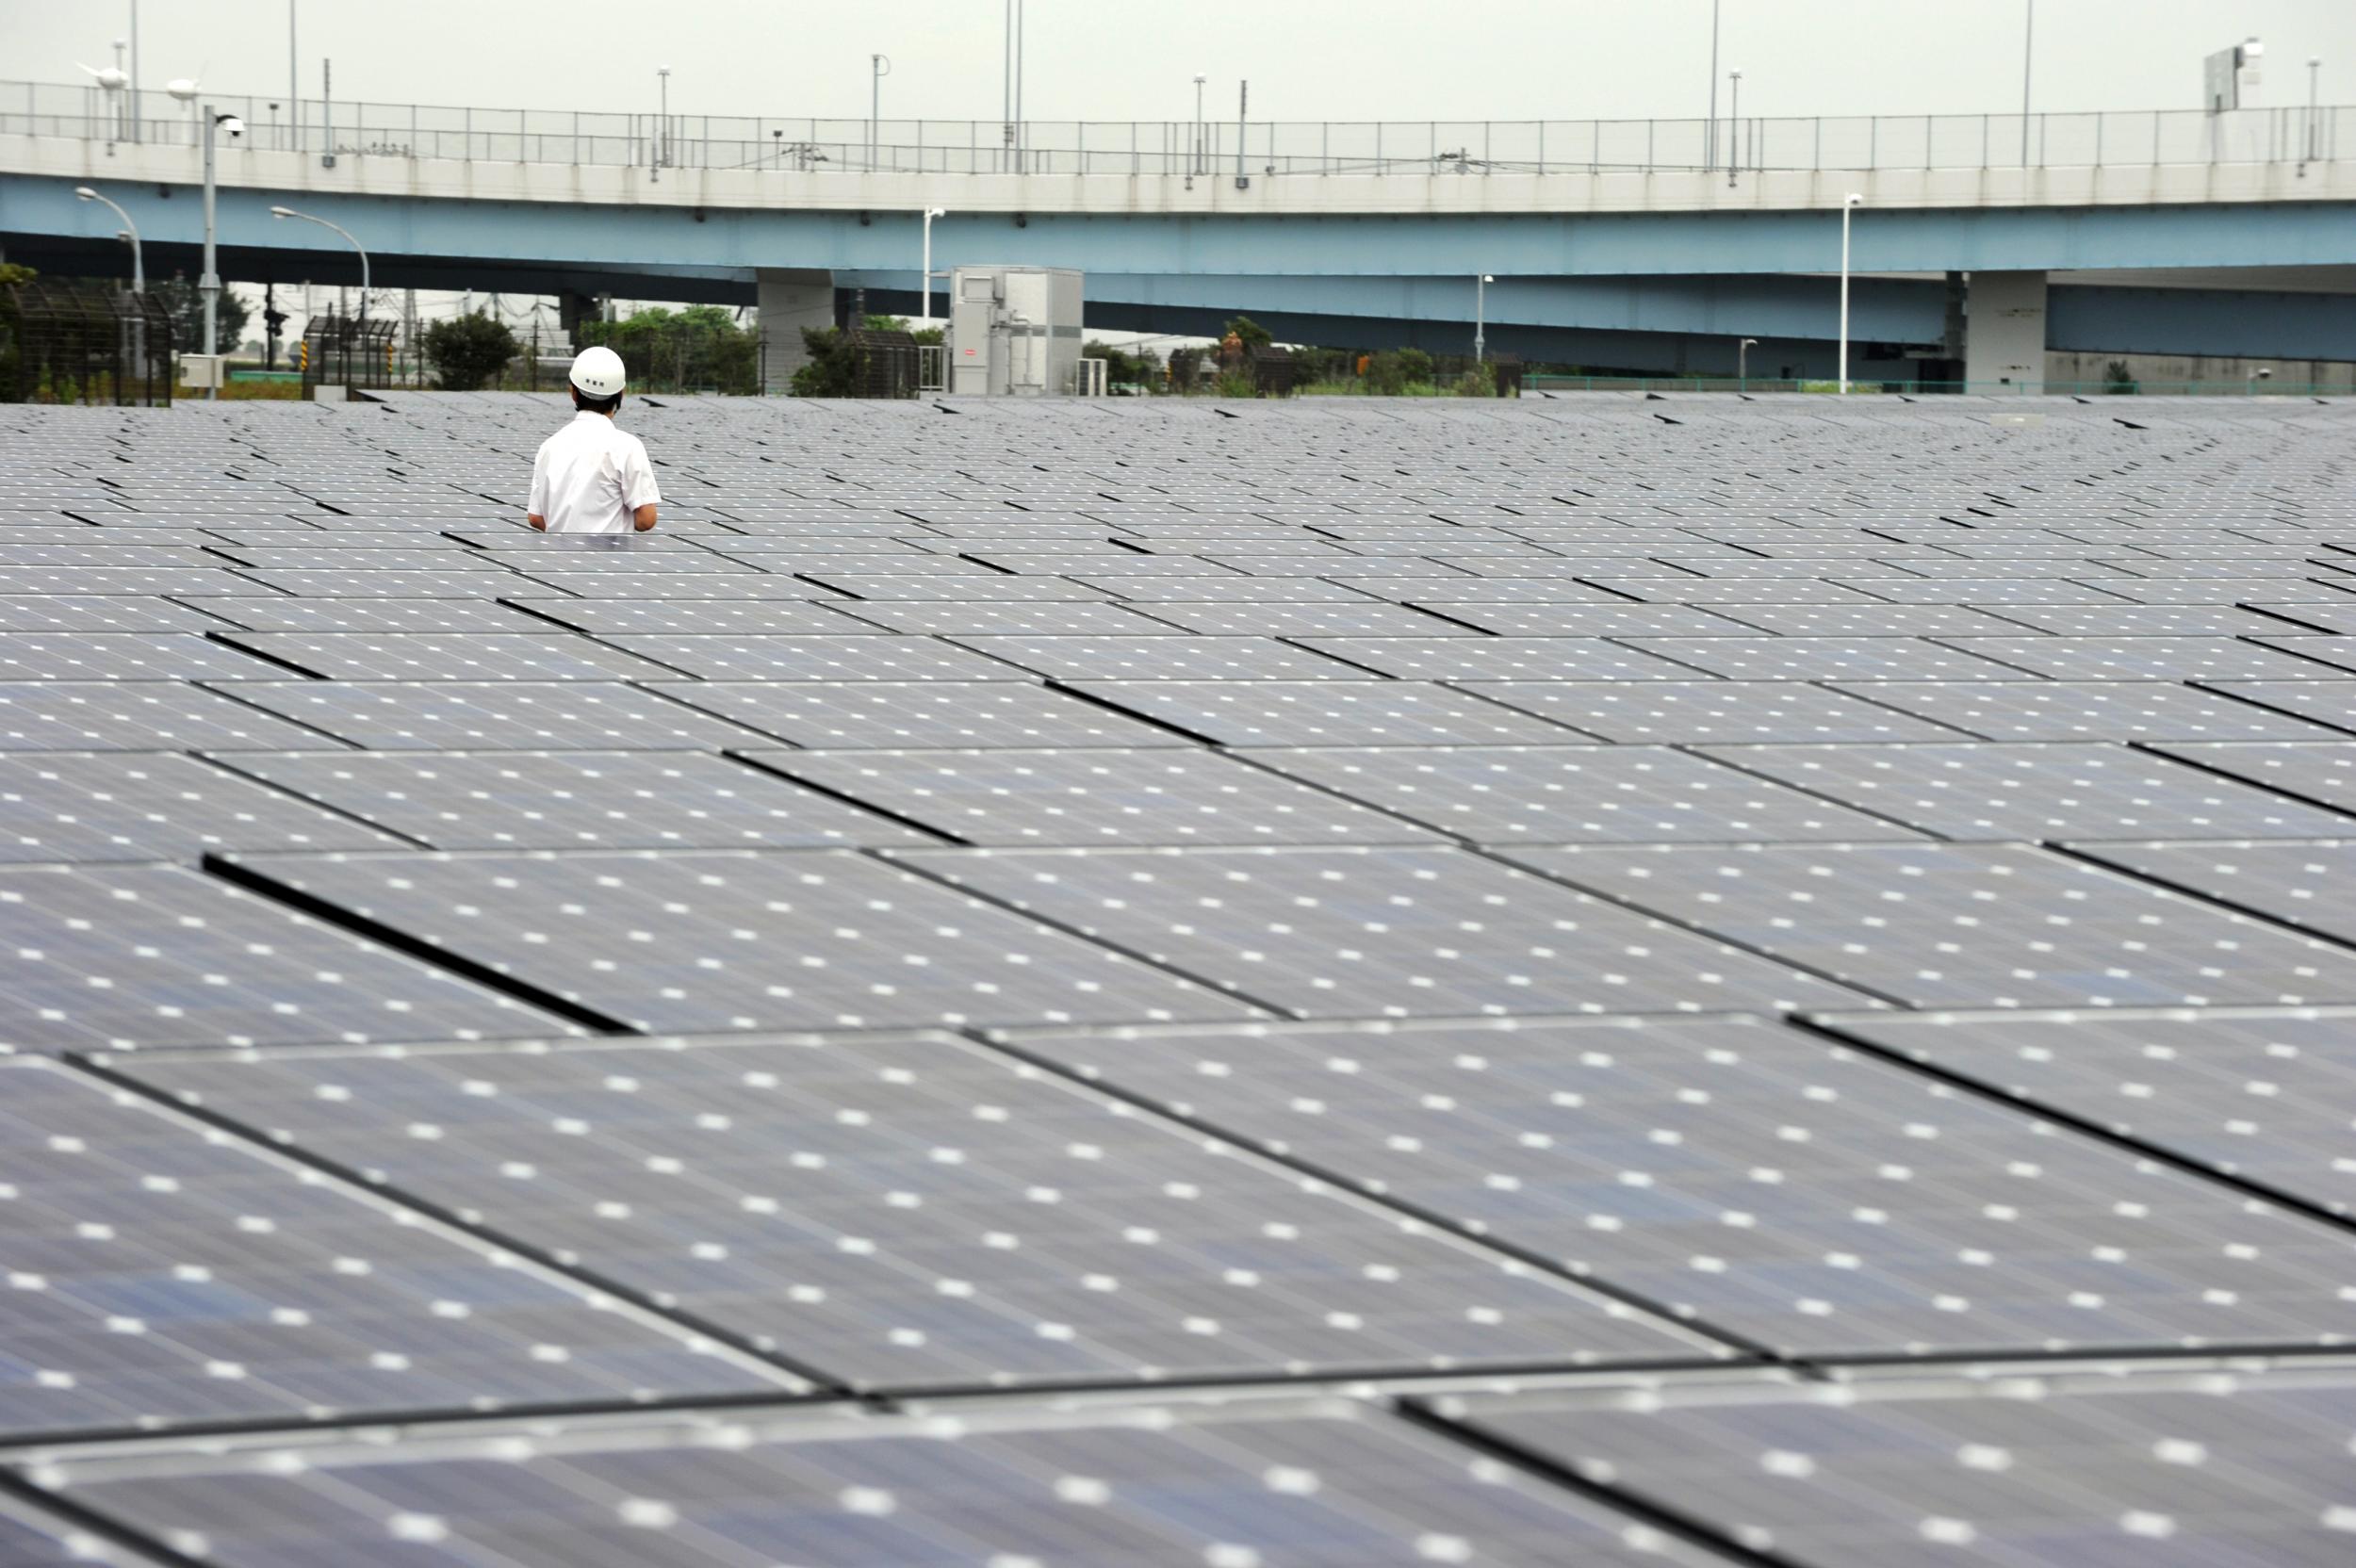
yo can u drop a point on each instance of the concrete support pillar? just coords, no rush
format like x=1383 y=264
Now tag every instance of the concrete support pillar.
x=789 y=299
x=572 y=310
x=2003 y=339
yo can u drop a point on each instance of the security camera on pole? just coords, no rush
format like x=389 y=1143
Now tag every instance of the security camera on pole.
x=209 y=284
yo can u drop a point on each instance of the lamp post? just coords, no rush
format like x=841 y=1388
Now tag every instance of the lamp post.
x=1194 y=160
x=878 y=67
x=1480 y=317
x=290 y=212
x=1848 y=203
x=931 y=213
x=1734 y=125
x=2028 y=36
x=1743 y=359
x=2264 y=372
x=208 y=283
x=2315 y=143
x=130 y=234
x=657 y=145
x=1709 y=142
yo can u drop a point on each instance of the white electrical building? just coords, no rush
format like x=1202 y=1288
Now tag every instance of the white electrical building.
x=1015 y=332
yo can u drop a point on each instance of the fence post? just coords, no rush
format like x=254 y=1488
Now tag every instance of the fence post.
x=1874 y=141
x=1325 y=148
x=2156 y=139
x=1817 y=162
x=1541 y=146
x=2098 y=139
x=1984 y=144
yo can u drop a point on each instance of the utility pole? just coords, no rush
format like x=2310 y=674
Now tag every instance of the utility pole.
x=1243 y=103
x=133 y=95
x=2028 y=38
x=294 y=83
x=1709 y=142
x=1734 y=125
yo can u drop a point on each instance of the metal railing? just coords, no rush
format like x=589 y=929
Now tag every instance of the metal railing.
x=1179 y=148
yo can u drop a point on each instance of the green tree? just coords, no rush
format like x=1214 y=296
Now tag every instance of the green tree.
x=833 y=367
x=185 y=303
x=469 y=351
x=701 y=348
x=11 y=318
x=1253 y=334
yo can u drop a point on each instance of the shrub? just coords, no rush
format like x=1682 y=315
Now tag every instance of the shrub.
x=468 y=352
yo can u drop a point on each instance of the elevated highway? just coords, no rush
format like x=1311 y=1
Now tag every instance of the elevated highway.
x=2238 y=232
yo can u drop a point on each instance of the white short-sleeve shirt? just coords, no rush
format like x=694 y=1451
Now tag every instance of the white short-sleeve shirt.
x=589 y=476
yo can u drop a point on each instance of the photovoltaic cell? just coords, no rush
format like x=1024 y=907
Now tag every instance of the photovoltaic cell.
x=2048 y=790
x=2042 y=1476
x=1145 y=1489
x=706 y=940
x=1753 y=1179
x=1394 y=932
x=62 y=806
x=1579 y=795
x=1959 y=925
x=568 y=800
x=1101 y=796
x=160 y=1275
x=2262 y=1095
x=920 y=1212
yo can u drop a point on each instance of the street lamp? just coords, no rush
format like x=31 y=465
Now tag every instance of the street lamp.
x=2315 y=143
x=208 y=284
x=1480 y=317
x=2264 y=372
x=1734 y=125
x=1743 y=359
x=2028 y=37
x=1194 y=163
x=1709 y=142
x=878 y=67
x=130 y=232
x=931 y=213
x=290 y=212
x=1847 y=203
x=659 y=145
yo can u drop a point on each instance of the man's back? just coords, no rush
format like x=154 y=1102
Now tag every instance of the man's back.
x=592 y=477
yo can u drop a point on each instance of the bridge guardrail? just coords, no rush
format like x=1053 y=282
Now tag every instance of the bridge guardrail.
x=1177 y=148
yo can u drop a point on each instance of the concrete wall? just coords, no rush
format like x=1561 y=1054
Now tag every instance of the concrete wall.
x=789 y=299
x=2003 y=330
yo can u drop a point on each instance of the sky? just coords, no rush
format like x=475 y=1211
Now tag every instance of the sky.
x=1136 y=60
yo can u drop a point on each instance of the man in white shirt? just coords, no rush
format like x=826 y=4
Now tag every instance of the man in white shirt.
x=590 y=477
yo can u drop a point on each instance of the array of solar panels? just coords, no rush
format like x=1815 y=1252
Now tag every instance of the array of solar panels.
x=1154 y=984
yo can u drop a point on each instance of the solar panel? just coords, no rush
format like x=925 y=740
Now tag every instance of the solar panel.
x=1680 y=712
x=795 y=1191
x=567 y=800
x=1753 y=1180
x=895 y=714
x=2263 y=1096
x=1577 y=794
x=1161 y=796
x=153 y=715
x=2298 y=883
x=765 y=657
x=2041 y=1474
x=341 y=615
x=2047 y=790
x=97 y=612
x=1146 y=1489
x=814 y=938
x=113 y=957
x=523 y=715
x=2089 y=710
x=1389 y=931
x=423 y=656
x=128 y=805
x=1324 y=712
x=1993 y=925
x=164 y=1276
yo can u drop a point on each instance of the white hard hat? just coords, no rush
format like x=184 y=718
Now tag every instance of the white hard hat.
x=597 y=371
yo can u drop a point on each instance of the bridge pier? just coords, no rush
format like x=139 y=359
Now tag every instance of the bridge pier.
x=2004 y=331
x=789 y=299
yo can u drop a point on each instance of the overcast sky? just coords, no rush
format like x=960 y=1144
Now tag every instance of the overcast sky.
x=1135 y=60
